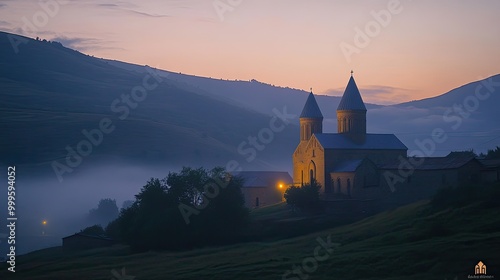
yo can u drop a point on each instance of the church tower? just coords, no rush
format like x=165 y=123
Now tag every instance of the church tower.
x=351 y=114
x=311 y=119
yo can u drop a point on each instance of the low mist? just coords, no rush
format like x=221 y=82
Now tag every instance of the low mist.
x=65 y=205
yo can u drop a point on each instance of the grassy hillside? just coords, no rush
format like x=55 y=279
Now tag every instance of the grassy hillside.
x=49 y=94
x=412 y=242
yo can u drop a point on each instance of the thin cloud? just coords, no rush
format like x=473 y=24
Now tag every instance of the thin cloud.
x=130 y=9
x=146 y=14
x=376 y=94
x=108 y=5
x=120 y=6
x=199 y=10
x=82 y=44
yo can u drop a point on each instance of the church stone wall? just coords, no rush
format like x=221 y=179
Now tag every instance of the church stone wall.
x=309 y=156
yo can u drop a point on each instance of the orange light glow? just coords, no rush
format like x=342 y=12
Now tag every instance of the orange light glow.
x=281 y=186
x=44 y=222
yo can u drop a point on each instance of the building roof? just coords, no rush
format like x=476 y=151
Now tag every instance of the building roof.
x=102 y=237
x=311 y=108
x=351 y=100
x=348 y=165
x=255 y=179
x=431 y=163
x=372 y=142
x=490 y=163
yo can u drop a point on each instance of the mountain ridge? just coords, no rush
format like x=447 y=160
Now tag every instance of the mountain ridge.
x=46 y=86
x=201 y=120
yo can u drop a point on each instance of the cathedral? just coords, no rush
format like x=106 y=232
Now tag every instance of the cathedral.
x=355 y=165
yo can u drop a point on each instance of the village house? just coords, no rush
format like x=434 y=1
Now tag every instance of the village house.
x=82 y=241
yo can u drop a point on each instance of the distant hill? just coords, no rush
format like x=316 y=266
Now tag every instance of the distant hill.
x=410 y=121
x=488 y=87
x=252 y=94
x=468 y=115
x=480 y=99
x=49 y=94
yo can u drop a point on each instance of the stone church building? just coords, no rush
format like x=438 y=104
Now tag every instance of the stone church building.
x=355 y=165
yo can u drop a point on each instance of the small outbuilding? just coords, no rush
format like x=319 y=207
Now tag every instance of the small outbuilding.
x=262 y=188
x=83 y=241
x=491 y=170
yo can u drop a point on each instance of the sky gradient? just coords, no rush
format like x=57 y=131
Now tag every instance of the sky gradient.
x=416 y=49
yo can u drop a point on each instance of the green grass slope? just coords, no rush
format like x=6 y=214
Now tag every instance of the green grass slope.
x=411 y=242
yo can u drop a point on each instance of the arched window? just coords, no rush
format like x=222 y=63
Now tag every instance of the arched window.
x=312 y=171
x=339 y=189
x=256 y=202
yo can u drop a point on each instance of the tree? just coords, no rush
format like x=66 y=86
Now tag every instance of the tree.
x=105 y=212
x=493 y=154
x=127 y=203
x=292 y=197
x=155 y=220
x=305 y=198
x=93 y=230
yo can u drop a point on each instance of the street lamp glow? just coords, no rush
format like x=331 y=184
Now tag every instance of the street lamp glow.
x=281 y=186
x=44 y=222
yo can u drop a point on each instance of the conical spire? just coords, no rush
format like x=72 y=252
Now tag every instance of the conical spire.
x=351 y=113
x=351 y=100
x=311 y=108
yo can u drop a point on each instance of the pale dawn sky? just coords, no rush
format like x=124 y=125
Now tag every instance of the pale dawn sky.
x=406 y=49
